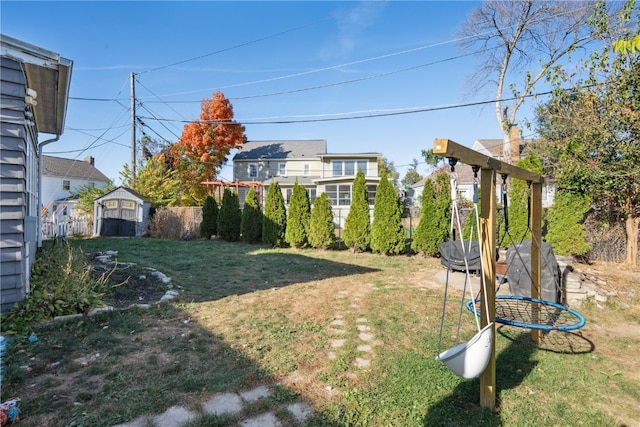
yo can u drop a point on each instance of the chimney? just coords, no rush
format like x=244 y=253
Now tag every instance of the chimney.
x=514 y=136
x=90 y=160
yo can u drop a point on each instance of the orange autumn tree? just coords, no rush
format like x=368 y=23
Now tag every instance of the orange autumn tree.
x=204 y=146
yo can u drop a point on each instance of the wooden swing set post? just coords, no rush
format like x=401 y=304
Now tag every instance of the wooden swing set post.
x=488 y=314
x=536 y=273
x=489 y=166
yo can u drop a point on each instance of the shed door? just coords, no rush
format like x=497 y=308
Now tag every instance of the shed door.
x=118 y=218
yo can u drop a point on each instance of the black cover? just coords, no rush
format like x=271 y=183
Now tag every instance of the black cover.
x=452 y=255
x=518 y=268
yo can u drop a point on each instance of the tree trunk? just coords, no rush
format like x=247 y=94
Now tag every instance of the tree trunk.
x=632 y=224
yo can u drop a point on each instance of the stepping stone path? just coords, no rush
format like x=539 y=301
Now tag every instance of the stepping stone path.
x=337 y=328
x=225 y=403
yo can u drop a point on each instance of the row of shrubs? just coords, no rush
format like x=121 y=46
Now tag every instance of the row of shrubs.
x=304 y=225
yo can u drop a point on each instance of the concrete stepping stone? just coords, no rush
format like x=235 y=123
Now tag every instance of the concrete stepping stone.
x=362 y=320
x=337 y=343
x=138 y=422
x=363 y=328
x=300 y=411
x=175 y=416
x=337 y=322
x=257 y=393
x=365 y=337
x=227 y=403
x=263 y=420
x=362 y=363
x=364 y=347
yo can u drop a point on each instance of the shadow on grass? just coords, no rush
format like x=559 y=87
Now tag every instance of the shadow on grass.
x=120 y=365
x=209 y=270
x=462 y=408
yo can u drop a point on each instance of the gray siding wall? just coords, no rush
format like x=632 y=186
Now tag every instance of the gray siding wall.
x=14 y=138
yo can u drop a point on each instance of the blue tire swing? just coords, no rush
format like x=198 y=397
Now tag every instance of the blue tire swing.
x=467 y=359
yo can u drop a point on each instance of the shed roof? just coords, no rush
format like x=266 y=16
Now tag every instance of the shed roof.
x=68 y=168
x=280 y=150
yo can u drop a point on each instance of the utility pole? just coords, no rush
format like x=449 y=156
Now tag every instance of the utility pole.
x=133 y=128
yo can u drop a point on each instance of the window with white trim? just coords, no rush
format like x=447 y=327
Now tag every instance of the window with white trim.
x=66 y=185
x=339 y=195
x=282 y=169
x=253 y=170
x=348 y=167
x=306 y=169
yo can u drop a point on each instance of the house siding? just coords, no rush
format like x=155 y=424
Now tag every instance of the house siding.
x=17 y=140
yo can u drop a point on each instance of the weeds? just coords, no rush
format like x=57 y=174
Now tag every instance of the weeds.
x=60 y=285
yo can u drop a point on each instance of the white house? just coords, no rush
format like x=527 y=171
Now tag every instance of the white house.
x=491 y=148
x=34 y=89
x=61 y=180
x=308 y=163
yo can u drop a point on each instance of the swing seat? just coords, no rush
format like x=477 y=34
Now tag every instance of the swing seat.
x=470 y=359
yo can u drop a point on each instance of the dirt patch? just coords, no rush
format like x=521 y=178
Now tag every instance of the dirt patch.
x=128 y=283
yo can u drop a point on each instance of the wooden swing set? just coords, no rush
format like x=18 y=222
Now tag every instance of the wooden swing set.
x=489 y=168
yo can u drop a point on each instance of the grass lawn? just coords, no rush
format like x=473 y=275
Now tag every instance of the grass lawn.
x=352 y=335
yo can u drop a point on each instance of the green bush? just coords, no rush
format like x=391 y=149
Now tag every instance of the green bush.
x=274 y=221
x=229 y=217
x=357 y=228
x=321 y=228
x=518 y=205
x=435 y=216
x=296 y=233
x=564 y=230
x=387 y=234
x=60 y=284
x=209 y=224
x=251 y=225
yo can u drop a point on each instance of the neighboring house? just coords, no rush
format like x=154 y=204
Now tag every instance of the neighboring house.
x=34 y=89
x=121 y=212
x=61 y=180
x=308 y=163
x=491 y=148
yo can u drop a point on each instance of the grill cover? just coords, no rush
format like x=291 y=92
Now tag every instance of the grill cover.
x=519 y=267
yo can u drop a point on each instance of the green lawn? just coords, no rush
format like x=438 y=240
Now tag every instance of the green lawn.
x=248 y=316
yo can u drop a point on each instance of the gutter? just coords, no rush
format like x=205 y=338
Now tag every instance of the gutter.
x=39 y=213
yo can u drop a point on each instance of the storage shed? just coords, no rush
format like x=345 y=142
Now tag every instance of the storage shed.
x=121 y=212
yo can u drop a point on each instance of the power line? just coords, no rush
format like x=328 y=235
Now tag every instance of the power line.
x=351 y=115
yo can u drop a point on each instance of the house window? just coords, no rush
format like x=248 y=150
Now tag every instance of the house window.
x=339 y=195
x=282 y=169
x=289 y=193
x=337 y=168
x=91 y=184
x=306 y=169
x=348 y=167
x=362 y=166
x=111 y=204
x=128 y=204
x=253 y=170
x=371 y=193
x=66 y=185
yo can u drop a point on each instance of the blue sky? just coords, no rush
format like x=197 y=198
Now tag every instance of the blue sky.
x=275 y=61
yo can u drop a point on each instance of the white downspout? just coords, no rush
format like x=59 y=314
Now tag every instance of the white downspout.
x=39 y=212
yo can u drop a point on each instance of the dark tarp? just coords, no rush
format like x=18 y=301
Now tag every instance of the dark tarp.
x=519 y=267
